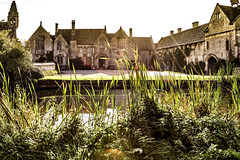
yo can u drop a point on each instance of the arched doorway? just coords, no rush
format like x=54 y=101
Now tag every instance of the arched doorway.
x=102 y=62
x=212 y=61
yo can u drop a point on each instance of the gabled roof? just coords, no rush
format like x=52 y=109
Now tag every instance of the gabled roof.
x=83 y=36
x=144 y=43
x=110 y=36
x=120 y=34
x=232 y=13
x=39 y=29
x=189 y=36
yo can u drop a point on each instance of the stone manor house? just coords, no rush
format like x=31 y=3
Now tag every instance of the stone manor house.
x=96 y=48
x=90 y=48
x=85 y=48
x=209 y=43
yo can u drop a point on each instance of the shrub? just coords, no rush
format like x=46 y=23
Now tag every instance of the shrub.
x=16 y=61
x=198 y=68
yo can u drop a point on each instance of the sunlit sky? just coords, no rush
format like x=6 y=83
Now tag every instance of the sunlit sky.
x=147 y=17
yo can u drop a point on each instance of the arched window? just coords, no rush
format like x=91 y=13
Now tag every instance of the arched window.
x=60 y=59
x=59 y=45
x=102 y=44
x=40 y=43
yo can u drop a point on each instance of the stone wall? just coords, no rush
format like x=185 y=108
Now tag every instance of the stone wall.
x=61 y=49
x=45 y=66
x=40 y=34
x=217 y=45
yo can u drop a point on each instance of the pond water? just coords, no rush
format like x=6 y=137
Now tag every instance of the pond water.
x=116 y=98
x=114 y=104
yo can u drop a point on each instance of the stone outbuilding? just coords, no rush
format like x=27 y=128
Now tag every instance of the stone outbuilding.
x=208 y=43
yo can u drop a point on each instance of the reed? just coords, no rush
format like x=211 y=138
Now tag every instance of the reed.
x=160 y=119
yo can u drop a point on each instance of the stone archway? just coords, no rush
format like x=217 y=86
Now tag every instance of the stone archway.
x=211 y=62
x=212 y=65
x=102 y=63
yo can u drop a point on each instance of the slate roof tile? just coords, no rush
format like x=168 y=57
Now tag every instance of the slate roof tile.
x=83 y=36
x=144 y=43
x=231 y=12
x=189 y=36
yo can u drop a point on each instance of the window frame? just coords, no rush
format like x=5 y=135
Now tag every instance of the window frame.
x=227 y=45
x=218 y=15
x=60 y=59
x=59 y=45
x=81 y=52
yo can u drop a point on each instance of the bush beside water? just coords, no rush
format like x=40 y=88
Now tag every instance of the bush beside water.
x=16 y=61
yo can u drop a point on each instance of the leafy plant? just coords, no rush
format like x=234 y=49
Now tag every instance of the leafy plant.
x=16 y=61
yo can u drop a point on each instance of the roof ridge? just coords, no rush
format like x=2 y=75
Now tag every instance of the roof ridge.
x=83 y=29
x=141 y=37
x=188 y=36
x=187 y=30
x=232 y=13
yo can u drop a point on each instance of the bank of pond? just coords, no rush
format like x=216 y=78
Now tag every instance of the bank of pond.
x=133 y=119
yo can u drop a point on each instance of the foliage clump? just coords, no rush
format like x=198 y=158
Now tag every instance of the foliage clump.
x=156 y=124
x=163 y=134
x=16 y=60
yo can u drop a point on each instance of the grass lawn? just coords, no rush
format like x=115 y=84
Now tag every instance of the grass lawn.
x=82 y=77
x=163 y=76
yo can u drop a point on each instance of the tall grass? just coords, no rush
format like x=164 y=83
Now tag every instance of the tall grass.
x=161 y=120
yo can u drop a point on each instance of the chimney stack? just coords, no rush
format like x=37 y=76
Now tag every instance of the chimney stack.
x=171 y=32
x=195 y=24
x=234 y=2
x=105 y=29
x=73 y=29
x=179 y=30
x=130 y=32
x=56 y=28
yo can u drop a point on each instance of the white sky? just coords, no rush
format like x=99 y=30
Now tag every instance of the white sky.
x=146 y=17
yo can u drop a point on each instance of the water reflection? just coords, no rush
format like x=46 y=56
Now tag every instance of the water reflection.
x=109 y=105
x=114 y=98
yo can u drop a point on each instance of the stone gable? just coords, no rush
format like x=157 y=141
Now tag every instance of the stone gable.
x=91 y=48
x=217 y=40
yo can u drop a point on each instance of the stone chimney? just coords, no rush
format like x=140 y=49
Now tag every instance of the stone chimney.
x=195 y=24
x=130 y=32
x=179 y=30
x=56 y=28
x=171 y=32
x=73 y=29
x=105 y=29
x=234 y=2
